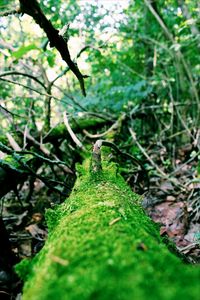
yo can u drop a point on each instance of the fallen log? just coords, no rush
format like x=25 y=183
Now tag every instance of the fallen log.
x=101 y=245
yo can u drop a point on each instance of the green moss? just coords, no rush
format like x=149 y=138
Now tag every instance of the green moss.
x=15 y=162
x=77 y=126
x=24 y=268
x=3 y=139
x=102 y=246
x=87 y=122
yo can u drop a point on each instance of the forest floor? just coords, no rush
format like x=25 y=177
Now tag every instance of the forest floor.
x=175 y=205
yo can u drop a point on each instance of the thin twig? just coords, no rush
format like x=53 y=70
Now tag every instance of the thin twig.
x=23 y=74
x=12 y=142
x=145 y=153
x=29 y=88
x=77 y=56
x=72 y=98
x=113 y=127
x=9 y=112
x=186 y=163
x=163 y=174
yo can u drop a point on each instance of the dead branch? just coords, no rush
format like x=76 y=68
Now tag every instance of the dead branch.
x=23 y=74
x=96 y=166
x=71 y=133
x=32 y=8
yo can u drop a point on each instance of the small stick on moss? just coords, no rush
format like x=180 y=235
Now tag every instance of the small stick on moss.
x=114 y=221
x=60 y=260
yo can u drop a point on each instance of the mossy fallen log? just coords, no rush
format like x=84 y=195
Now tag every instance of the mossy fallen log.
x=101 y=245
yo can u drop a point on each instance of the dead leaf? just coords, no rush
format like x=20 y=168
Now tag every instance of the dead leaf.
x=166 y=186
x=170 y=198
x=36 y=217
x=36 y=232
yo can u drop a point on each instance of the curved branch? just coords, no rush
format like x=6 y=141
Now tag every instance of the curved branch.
x=10 y=113
x=78 y=55
x=114 y=127
x=71 y=133
x=29 y=88
x=25 y=75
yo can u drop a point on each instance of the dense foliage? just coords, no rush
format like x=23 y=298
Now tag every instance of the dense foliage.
x=142 y=59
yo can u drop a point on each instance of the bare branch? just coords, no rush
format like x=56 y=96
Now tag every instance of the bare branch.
x=29 y=88
x=96 y=166
x=67 y=69
x=23 y=74
x=71 y=133
x=12 y=142
x=133 y=135
x=114 y=127
x=32 y=8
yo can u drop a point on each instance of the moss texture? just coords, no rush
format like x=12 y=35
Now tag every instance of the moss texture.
x=102 y=246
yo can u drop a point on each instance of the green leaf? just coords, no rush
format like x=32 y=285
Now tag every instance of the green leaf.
x=50 y=58
x=23 y=50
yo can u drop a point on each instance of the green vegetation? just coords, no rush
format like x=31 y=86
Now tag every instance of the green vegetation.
x=74 y=72
x=101 y=245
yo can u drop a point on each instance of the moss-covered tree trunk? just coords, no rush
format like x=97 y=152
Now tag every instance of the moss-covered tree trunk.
x=101 y=245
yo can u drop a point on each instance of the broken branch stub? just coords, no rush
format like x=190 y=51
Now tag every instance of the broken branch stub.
x=96 y=166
